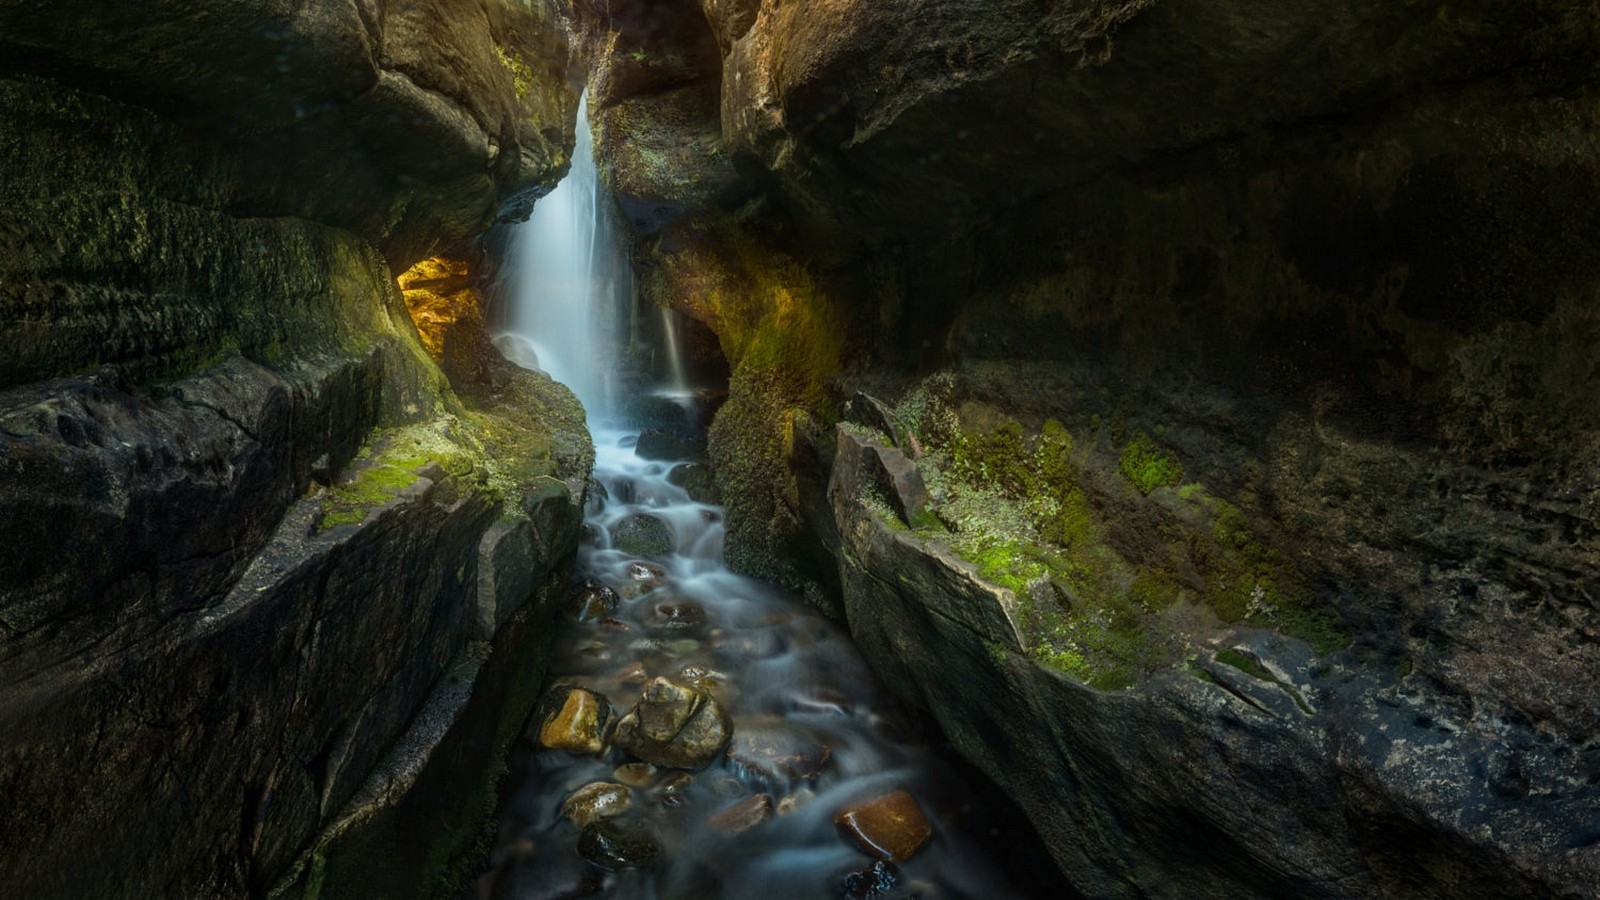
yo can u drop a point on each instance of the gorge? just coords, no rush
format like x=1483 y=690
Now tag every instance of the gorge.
x=1186 y=410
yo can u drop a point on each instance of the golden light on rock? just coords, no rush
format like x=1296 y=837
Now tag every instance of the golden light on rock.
x=439 y=292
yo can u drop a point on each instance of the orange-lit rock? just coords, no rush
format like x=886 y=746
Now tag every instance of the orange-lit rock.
x=579 y=725
x=889 y=827
x=439 y=293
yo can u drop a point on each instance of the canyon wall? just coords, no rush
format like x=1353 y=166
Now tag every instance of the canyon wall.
x=273 y=583
x=1246 y=354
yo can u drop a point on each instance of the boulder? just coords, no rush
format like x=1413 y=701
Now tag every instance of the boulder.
x=643 y=535
x=674 y=725
x=656 y=444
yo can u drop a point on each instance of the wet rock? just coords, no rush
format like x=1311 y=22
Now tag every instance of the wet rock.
x=886 y=470
x=646 y=574
x=616 y=626
x=593 y=802
x=618 y=844
x=675 y=790
x=578 y=723
x=889 y=827
x=683 y=647
x=639 y=775
x=674 y=725
x=877 y=880
x=777 y=753
x=793 y=802
x=659 y=445
x=593 y=600
x=676 y=614
x=742 y=816
x=696 y=481
x=635 y=674
x=642 y=535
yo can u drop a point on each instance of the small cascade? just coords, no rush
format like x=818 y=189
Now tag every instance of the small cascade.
x=678 y=386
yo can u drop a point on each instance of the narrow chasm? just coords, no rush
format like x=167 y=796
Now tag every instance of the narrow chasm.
x=516 y=449
x=701 y=733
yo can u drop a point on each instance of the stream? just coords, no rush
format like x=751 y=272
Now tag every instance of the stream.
x=806 y=745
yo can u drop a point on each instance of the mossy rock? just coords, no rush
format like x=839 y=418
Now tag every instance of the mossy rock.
x=642 y=535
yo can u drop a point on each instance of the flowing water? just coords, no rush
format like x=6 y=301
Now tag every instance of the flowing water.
x=812 y=735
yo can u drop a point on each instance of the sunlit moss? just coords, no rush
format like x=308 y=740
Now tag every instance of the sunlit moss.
x=522 y=79
x=1147 y=465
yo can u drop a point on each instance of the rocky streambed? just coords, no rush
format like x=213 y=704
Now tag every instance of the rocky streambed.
x=704 y=734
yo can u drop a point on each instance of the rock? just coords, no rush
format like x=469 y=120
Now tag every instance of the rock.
x=593 y=802
x=675 y=790
x=793 y=802
x=646 y=573
x=877 y=880
x=742 y=816
x=618 y=844
x=675 y=615
x=639 y=775
x=697 y=481
x=660 y=445
x=578 y=725
x=867 y=410
x=634 y=674
x=674 y=725
x=890 y=826
x=642 y=534
x=869 y=466
x=776 y=752
x=593 y=600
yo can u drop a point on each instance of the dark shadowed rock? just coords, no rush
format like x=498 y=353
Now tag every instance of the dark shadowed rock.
x=656 y=444
x=740 y=817
x=619 y=844
x=642 y=534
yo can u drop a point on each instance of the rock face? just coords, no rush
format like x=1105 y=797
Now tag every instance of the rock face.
x=273 y=580
x=1308 y=268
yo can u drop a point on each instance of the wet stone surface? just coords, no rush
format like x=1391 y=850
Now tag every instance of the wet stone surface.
x=708 y=736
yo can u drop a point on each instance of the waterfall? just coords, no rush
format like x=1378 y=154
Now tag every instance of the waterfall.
x=564 y=309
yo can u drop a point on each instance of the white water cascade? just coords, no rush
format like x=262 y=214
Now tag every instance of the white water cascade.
x=564 y=311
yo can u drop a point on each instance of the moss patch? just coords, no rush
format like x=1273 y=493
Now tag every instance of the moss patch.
x=1113 y=580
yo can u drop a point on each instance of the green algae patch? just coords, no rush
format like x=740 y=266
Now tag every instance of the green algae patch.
x=1243 y=663
x=1113 y=579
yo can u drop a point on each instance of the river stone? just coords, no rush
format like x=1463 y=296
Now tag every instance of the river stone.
x=639 y=775
x=578 y=725
x=642 y=534
x=593 y=802
x=656 y=444
x=696 y=481
x=676 y=614
x=777 y=753
x=676 y=789
x=877 y=880
x=618 y=844
x=742 y=816
x=889 y=827
x=674 y=725
x=593 y=600
x=795 y=801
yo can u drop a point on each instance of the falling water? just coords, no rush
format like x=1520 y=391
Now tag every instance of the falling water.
x=562 y=317
x=679 y=386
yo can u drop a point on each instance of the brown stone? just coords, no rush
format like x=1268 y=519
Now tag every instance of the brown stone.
x=742 y=816
x=776 y=752
x=889 y=827
x=593 y=802
x=639 y=775
x=579 y=725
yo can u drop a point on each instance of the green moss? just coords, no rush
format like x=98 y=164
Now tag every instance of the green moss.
x=522 y=79
x=1242 y=662
x=391 y=462
x=1148 y=466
